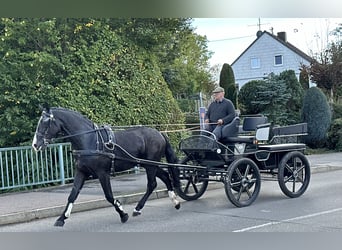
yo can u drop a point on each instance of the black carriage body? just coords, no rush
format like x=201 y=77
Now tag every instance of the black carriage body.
x=262 y=152
x=205 y=151
x=266 y=150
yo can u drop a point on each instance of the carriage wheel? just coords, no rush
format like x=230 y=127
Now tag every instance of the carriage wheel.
x=193 y=182
x=294 y=174
x=242 y=184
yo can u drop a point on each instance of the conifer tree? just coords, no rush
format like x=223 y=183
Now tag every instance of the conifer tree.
x=317 y=114
x=227 y=81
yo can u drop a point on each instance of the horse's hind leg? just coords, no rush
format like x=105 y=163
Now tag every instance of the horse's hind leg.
x=78 y=184
x=151 y=185
x=107 y=189
x=164 y=176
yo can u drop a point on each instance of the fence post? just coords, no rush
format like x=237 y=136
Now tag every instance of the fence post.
x=61 y=163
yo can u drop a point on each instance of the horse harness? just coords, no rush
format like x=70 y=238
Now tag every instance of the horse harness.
x=105 y=142
x=105 y=145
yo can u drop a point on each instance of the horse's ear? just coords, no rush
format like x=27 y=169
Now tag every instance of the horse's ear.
x=45 y=107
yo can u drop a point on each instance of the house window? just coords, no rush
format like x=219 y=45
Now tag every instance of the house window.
x=278 y=60
x=255 y=63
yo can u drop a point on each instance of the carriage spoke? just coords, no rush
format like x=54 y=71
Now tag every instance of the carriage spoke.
x=289 y=168
x=301 y=169
x=294 y=186
x=243 y=185
x=243 y=178
x=195 y=187
x=296 y=174
x=251 y=183
x=235 y=184
x=238 y=173
x=239 y=194
x=252 y=180
x=193 y=182
x=186 y=189
x=299 y=179
x=189 y=184
x=287 y=179
x=247 y=171
x=248 y=191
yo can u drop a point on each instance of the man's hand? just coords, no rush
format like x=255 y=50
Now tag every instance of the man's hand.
x=219 y=122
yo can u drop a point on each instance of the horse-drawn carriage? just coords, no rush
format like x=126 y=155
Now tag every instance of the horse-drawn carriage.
x=248 y=153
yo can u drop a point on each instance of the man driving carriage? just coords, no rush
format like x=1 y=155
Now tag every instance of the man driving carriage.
x=220 y=113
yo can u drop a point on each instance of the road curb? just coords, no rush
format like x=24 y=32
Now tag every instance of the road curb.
x=319 y=168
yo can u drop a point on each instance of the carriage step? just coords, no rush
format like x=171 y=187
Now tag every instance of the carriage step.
x=282 y=147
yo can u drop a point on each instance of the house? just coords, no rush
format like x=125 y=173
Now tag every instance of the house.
x=268 y=54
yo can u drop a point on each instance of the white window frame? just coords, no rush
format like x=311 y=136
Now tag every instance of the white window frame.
x=255 y=63
x=275 y=60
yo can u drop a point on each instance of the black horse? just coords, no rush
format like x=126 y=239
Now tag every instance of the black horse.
x=98 y=150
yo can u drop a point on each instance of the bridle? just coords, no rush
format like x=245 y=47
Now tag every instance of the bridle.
x=50 y=117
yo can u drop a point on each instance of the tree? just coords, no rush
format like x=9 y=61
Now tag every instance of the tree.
x=327 y=71
x=272 y=100
x=296 y=92
x=279 y=98
x=181 y=53
x=82 y=64
x=248 y=95
x=317 y=114
x=227 y=81
x=304 y=77
x=30 y=69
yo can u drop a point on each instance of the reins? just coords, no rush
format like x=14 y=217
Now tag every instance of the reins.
x=77 y=134
x=134 y=126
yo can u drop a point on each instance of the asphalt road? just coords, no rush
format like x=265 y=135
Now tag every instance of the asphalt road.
x=318 y=210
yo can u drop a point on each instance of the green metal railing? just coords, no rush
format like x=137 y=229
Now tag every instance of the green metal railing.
x=24 y=167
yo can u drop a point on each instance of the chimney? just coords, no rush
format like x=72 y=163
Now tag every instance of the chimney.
x=282 y=36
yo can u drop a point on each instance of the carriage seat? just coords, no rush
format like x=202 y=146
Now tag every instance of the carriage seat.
x=234 y=133
x=231 y=130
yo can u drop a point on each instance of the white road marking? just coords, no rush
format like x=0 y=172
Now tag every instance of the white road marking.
x=288 y=220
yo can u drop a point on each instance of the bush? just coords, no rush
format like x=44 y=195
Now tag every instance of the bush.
x=337 y=111
x=335 y=135
x=317 y=114
x=279 y=97
x=248 y=95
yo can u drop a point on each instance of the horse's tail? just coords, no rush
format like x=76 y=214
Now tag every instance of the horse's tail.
x=171 y=157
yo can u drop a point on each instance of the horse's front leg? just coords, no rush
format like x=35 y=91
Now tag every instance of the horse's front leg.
x=78 y=184
x=107 y=189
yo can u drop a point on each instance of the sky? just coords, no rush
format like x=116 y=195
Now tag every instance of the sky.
x=229 y=37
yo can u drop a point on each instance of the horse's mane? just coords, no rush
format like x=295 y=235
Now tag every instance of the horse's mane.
x=81 y=116
x=73 y=112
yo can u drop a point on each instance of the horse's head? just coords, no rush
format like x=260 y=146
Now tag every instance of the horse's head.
x=47 y=129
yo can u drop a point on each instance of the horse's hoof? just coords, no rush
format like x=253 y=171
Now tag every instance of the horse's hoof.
x=177 y=206
x=59 y=223
x=136 y=213
x=124 y=218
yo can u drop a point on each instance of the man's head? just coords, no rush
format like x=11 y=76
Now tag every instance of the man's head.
x=218 y=93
